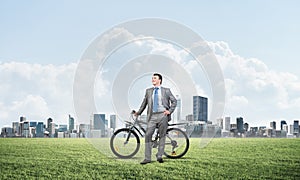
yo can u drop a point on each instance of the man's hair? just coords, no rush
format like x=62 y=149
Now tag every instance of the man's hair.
x=159 y=76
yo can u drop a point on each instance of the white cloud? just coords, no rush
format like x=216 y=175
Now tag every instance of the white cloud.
x=35 y=91
x=33 y=106
x=255 y=90
x=175 y=53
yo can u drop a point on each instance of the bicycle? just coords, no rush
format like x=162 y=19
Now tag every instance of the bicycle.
x=125 y=142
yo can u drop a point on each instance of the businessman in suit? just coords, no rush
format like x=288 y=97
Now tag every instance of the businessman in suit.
x=161 y=104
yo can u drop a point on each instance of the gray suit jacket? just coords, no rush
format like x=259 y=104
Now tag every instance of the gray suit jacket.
x=168 y=101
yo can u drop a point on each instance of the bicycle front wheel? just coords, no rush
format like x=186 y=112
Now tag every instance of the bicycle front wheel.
x=125 y=143
x=177 y=143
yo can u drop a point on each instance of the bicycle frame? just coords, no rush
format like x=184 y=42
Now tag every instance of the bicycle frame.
x=137 y=122
x=133 y=126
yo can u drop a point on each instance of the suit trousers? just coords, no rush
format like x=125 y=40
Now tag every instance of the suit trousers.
x=156 y=120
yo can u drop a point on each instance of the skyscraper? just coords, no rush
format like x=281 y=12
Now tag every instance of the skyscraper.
x=227 y=124
x=246 y=126
x=51 y=128
x=240 y=124
x=220 y=123
x=25 y=129
x=16 y=128
x=32 y=128
x=99 y=123
x=112 y=119
x=296 y=126
x=283 y=122
x=40 y=129
x=273 y=125
x=285 y=127
x=291 y=131
x=200 y=108
x=22 y=119
x=71 y=123
x=49 y=121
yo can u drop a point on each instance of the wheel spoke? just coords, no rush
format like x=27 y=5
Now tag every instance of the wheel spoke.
x=176 y=144
x=125 y=143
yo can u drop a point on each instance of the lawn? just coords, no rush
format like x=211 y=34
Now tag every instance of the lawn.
x=91 y=159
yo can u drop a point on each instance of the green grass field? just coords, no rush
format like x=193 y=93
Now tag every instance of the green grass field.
x=82 y=159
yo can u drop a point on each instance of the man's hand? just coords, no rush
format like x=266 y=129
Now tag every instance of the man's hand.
x=166 y=112
x=134 y=113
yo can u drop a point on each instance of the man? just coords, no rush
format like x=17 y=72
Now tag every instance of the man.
x=161 y=104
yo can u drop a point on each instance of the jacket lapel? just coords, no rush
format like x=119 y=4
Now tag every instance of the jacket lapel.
x=163 y=92
x=150 y=98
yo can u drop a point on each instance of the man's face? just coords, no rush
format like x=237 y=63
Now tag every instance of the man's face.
x=155 y=81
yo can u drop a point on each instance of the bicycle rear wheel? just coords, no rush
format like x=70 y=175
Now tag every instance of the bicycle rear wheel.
x=177 y=143
x=125 y=143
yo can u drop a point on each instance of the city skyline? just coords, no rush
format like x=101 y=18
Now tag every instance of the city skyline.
x=99 y=127
x=98 y=121
x=197 y=124
x=199 y=113
x=199 y=100
x=42 y=43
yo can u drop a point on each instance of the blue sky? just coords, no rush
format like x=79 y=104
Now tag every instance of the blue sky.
x=58 y=32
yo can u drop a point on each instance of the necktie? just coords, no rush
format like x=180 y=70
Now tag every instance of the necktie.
x=155 y=100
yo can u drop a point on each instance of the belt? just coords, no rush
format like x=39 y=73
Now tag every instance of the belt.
x=158 y=112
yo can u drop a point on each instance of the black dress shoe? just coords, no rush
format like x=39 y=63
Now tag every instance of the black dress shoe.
x=160 y=160
x=145 y=161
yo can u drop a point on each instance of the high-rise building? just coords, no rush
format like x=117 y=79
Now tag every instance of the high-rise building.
x=7 y=132
x=21 y=127
x=200 y=108
x=246 y=126
x=25 y=129
x=227 y=124
x=285 y=127
x=32 y=128
x=16 y=128
x=49 y=121
x=273 y=125
x=291 y=129
x=220 y=123
x=113 y=120
x=40 y=129
x=282 y=122
x=296 y=126
x=84 y=130
x=22 y=119
x=99 y=123
x=71 y=123
x=253 y=130
x=240 y=124
x=51 y=128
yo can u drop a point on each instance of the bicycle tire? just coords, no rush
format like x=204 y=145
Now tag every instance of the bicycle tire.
x=117 y=143
x=177 y=143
